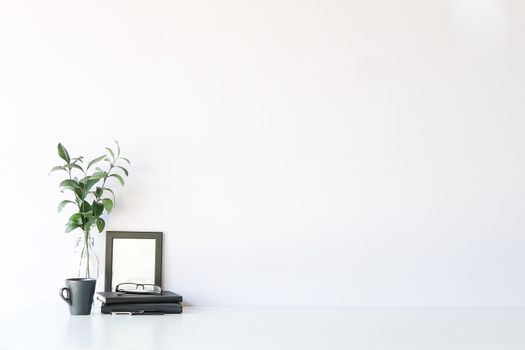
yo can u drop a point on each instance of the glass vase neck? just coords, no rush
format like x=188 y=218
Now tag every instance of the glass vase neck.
x=87 y=260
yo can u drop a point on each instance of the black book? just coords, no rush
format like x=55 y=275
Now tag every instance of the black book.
x=145 y=309
x=121 y=298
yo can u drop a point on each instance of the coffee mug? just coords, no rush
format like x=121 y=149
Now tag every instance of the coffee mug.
x=79 y=295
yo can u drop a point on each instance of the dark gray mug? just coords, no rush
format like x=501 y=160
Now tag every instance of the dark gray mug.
x=79 y=295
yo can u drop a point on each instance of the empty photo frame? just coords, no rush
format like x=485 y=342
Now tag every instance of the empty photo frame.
x=134 y=257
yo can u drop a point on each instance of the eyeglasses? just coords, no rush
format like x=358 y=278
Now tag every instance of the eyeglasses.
x=138 y=288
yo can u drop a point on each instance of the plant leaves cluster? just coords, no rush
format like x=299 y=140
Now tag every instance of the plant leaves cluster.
x=87 y=184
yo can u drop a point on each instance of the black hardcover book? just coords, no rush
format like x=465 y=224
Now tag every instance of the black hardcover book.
x=121 y=298
x=148 y=308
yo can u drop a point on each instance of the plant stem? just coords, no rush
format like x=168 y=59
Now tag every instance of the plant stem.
x=111 y=165
x=86 y=251
x=80 y=260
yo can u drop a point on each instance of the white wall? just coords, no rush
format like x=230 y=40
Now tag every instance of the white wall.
x=329 y=152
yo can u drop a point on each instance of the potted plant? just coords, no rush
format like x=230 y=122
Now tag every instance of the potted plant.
x=92 y=198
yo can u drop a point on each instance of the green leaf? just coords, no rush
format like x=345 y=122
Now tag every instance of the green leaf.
x=79 y=193
x=56 y=168
x=99 y=191
x=119 y=178
x=110 y=191
x=85 y=207
x=96 y=160
x=98 y=208
x=118 y=148
x=100 y=224
x=71 y=227
x=111 y=152
x=78 y=159
x=62 y=204
x=98 y=175
x=90 y=183
x=89 y=221
x=123 y=169
x=108 y=204
x=73 y=165
x=62 y=153
x=71 y=184
x=125 y=159
x=75 y=219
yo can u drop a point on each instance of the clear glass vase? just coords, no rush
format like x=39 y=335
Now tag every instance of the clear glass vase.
x=85 y=257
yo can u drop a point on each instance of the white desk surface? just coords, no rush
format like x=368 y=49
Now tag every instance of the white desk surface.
x=269 y=328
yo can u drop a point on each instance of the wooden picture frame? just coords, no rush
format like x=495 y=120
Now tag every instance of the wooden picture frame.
x=133 y=256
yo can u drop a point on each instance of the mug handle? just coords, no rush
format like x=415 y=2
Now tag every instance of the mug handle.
x=67 y=299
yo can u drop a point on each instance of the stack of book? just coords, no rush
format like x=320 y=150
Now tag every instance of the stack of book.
x=133 y=304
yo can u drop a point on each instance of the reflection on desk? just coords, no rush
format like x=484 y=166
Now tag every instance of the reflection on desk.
x=270 y=328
